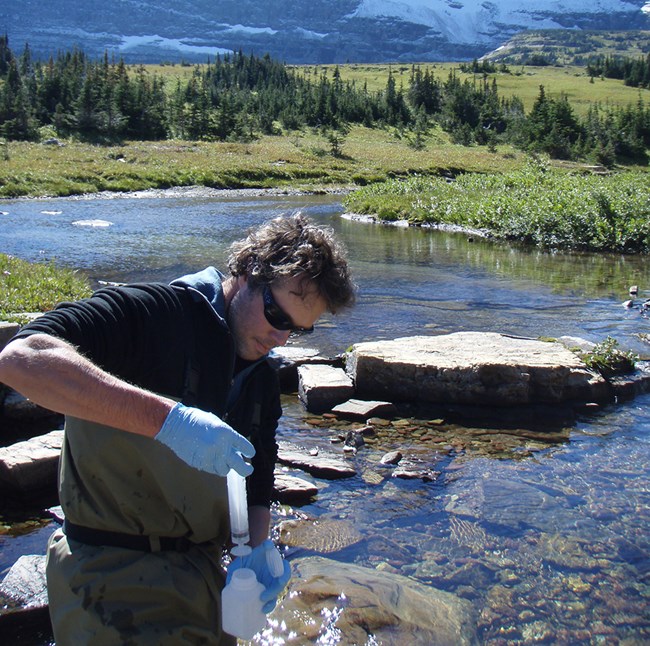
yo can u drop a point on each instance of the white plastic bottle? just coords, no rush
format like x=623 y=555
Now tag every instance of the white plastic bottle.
x=241 y=608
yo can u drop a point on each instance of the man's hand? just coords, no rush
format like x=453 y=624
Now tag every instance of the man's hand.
x=258 y=561
x=205 y=442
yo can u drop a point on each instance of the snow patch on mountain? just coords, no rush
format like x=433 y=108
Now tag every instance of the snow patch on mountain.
x=130 y=43
x=308 y=34
x=244 y=29
x=465 y=21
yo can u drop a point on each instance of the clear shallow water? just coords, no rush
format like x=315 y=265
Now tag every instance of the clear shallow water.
x=547 y=535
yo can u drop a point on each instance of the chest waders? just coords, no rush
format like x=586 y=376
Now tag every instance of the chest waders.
x=119 y=577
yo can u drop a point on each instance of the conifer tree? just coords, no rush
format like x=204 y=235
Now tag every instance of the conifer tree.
x=16 y=118
x=5 y=55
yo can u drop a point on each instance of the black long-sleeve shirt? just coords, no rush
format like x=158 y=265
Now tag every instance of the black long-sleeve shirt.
x=169 y=340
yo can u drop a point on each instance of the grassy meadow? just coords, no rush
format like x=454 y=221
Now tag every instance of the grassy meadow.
x=521 y=81
x=297 y=160
x=536 y=205
x=38 y=287
x=302 y=160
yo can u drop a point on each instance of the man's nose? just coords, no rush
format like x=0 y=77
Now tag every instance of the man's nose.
x=280 y=337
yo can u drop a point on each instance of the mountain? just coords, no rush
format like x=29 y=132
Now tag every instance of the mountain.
x=300 y=31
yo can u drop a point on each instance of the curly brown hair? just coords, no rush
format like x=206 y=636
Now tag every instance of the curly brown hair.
x=291 y=246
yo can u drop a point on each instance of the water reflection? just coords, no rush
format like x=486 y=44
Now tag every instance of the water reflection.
x=541 y=523
x=593 y=275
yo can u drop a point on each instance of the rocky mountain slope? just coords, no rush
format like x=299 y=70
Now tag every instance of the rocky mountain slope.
x=301 y=31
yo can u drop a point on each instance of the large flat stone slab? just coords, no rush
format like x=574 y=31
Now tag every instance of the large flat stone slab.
x=483 y=368
x=24 y=616
x=31 y=465
x=24 y=586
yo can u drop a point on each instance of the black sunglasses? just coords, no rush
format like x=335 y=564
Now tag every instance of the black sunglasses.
x=277 y=317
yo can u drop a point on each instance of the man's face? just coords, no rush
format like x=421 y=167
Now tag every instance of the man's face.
x=253 y=334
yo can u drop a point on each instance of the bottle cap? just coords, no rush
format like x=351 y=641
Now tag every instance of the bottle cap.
x=274 y=561
x=244 y=578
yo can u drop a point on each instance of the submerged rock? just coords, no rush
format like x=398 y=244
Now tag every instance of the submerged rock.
x=511 y=504
x=415 y=469
x=320 y=535
x=364 y=606
x=292 y=490
x=323 y=465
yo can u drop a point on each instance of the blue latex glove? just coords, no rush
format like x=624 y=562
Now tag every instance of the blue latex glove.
x=205 y=442
x=257 y=561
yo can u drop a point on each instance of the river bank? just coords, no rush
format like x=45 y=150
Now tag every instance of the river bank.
x=500 y=194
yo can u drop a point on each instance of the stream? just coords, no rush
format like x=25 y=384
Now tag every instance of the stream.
x=542 y=525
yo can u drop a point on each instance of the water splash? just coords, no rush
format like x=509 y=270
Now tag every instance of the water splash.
x=329 y=633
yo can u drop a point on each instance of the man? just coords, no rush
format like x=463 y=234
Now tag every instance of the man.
x=164 y=389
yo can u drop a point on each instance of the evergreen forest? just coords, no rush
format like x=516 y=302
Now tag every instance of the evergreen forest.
x=634 y=72
x=239 y=97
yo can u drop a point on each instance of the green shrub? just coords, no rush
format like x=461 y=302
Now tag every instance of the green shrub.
x=537 y=205
x=609 y=360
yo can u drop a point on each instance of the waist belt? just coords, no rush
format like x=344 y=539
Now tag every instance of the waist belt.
x=103 y=537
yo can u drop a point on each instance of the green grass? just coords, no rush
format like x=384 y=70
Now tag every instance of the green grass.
x=536 y=205
x=36 y=287
x=300 y=160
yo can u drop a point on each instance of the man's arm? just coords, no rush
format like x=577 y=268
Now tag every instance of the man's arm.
x=53 y=374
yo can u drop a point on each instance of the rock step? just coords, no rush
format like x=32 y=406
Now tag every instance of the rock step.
x=24 y=603
x=358 y=409
x=32 y=465
x=482 y=368
x=321 y=387
x=7 y=331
